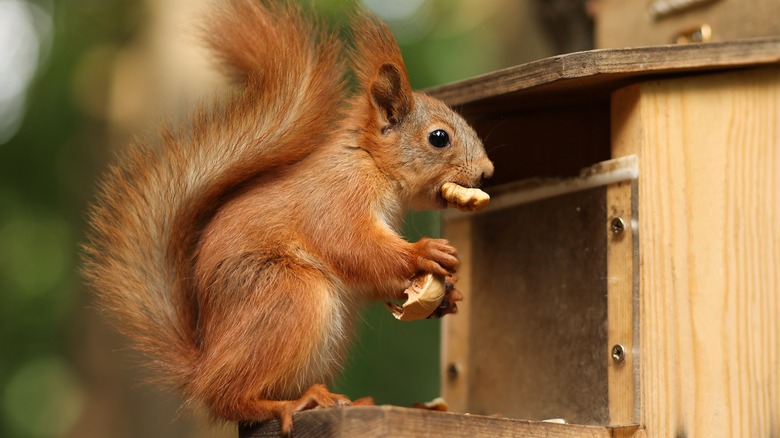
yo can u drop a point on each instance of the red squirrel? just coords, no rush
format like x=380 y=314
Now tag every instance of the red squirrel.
x=236 y=251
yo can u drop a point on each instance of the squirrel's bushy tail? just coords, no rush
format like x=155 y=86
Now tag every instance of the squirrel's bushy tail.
x=153 y=204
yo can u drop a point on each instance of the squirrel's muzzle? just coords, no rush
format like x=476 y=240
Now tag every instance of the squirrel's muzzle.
x=487 y=168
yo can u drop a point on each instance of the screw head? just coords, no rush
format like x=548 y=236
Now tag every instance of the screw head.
x=617 y=225
x=453 y=371
x=618 y=353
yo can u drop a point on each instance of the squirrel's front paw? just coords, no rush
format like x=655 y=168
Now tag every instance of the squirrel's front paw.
x=436 y=256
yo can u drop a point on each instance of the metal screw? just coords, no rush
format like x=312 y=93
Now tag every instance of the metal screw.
x=618 y=353
x=617 y=225
x=453 y=370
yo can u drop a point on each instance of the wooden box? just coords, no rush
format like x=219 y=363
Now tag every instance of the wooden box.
x=626 y=276
x=633 y=23
x=628 y=268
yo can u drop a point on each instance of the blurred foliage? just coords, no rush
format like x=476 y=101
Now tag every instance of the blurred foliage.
x=48 y=169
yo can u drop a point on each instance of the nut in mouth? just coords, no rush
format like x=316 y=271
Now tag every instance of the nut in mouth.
x=464 y=198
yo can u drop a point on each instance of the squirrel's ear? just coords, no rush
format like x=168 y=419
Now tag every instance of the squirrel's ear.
x=391 y=94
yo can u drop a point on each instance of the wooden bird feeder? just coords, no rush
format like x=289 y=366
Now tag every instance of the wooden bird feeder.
x=626 y=275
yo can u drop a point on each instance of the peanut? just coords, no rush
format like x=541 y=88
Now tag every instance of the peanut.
x=463 y=198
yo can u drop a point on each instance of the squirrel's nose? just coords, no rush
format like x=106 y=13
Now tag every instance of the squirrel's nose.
x=487 y=168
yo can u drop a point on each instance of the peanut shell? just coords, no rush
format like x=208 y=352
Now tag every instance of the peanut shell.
x=423 y=297
x=464 y=198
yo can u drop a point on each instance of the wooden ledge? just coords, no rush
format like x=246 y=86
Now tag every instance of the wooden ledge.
x=386 y=421
x=595 y=73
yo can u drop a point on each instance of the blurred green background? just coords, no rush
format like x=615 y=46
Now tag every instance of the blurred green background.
x=77 y=78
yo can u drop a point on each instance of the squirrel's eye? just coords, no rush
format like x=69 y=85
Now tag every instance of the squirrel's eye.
x=439 y=138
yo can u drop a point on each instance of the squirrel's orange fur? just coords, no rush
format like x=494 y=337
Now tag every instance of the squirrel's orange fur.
x=236 y=255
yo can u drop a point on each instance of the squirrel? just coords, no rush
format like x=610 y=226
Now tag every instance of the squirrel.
x=236 y=251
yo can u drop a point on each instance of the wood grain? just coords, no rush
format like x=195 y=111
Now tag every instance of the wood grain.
x=538 y=310
x=622 y=314
x=456 y=329
x=390 y=421
x=596 y=71
x=709 y=200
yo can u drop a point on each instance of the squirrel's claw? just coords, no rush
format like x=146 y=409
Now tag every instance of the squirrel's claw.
x=317 y=396
x=436 y=256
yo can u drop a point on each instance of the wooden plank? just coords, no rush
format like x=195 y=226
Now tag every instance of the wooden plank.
x=623 y=272
x=604 y=173
x=455 y=331
x=390 y=421
x=538 y=310
x=709 y=199
x=622 y=315
x=599 y=72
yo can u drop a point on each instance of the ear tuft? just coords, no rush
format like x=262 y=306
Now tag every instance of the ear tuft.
x=391 y=94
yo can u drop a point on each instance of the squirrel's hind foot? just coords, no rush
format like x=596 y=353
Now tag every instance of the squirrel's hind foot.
x=317 y=396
